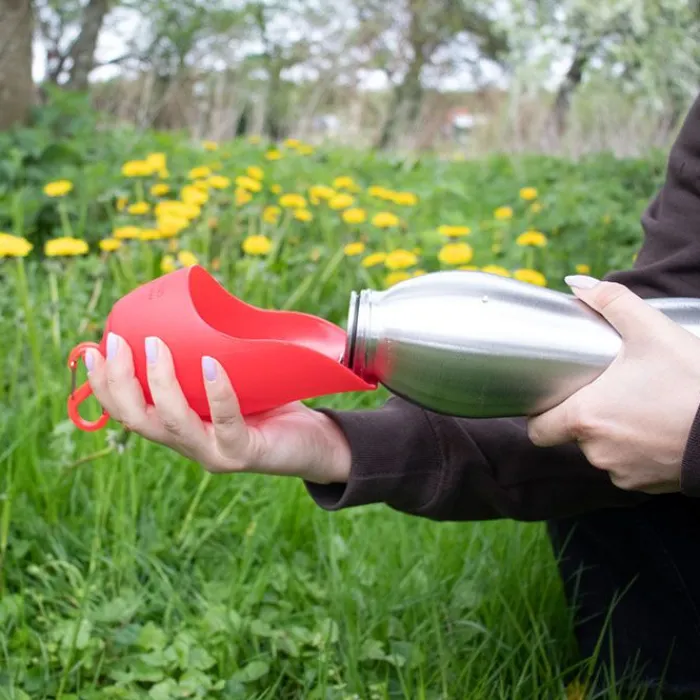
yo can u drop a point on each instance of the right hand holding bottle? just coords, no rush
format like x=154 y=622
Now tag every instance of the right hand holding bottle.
x=290 y=441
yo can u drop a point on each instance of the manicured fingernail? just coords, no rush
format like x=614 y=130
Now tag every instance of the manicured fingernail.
x=581 y=281
x=90 y=360
x=152 y=350
x=209 y=368
x=112 y=346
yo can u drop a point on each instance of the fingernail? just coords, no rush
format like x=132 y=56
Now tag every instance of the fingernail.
x=581 y=281
x=90 y=360
x=152 y=350
x=209 y=368
x=112 y=346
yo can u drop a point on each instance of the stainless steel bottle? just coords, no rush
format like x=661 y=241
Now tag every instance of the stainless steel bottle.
x=477 y=345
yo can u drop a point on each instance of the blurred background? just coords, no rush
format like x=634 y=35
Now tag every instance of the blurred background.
x=555 y=76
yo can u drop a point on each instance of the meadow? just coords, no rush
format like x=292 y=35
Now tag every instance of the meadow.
x=128 y=572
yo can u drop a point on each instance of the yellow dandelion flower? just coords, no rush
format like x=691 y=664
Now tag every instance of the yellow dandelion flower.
x=532 y=238
x=395 y=278
x=454 y=231
x=320 y=192
x=405 y=199
x=242 y=197
x=121 y=203
x=173 y=245
x=496 y=270
x=254 y=139
x=202 y=185
x=305 y=150
x=109 y=245
x=341 y=201
x=385 y=219
x=248 y=183
x=219 y=182
x=14 y=246
x=59 y=188
x=292 y=201
x=303 y=215
x=210 y=146
x=138 y=168
x=199 y=173
x=536 y=207
x=167 y=264
x=170 y=225
x=456 y=254
x=379 y=192
x=276 y=189
x=158 y=161
x=126 y=232
x=292 y=143
x=139 y=208
x=374 y=259
x=186 y=258
x=353 y=249
x=354 y=216
x=150 y=234
x=65 y=247
x=191 y=195
x=400 y=259
x=531 y=277
x=256 y=172
x=345 y=182
x=257 y=245
x=273 y=154
x=419 y=273
x=503 y=213
x=160 y=189
x=583 y=269
x=528 y=193
x=271 y=214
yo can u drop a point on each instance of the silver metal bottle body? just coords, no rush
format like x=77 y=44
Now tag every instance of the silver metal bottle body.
x=477 y=345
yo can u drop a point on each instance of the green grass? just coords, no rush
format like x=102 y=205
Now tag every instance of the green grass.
x=134 y=574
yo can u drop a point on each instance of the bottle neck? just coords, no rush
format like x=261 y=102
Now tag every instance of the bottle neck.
x=355 y=356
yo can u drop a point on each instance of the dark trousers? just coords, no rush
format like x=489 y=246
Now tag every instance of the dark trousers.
x=632 y=578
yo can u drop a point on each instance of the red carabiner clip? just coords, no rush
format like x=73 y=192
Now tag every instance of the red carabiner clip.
x=77 y=396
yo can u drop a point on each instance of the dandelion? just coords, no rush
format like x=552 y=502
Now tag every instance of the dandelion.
x=345 y=182
x=202 y=185
x=59 y=188
x=242 y=197
x=319 y=192
x=528 y=193
x=341 y=201
x=170 y=225
x=210 y=146
x=121 y=203
x=150 y=234
x=292 y=143
x=14 y=246
x=536 y=207
x=199 y=173
x=395 y=278
x=583 y=269
x=353 y=249
x=139 y=208
x=276 y=189
x=531 y=238
x=191 y=195
x=167 y=264
x=273 y=154
x=126 y=232
x=248 y=183
x=496 y=270
x=187 y=258
x=354 y=216
x=213 y=223
x=292 y=201
x=374 y=259
x=160 y=189
x=65 y=247
x=303 y=215
x=379 y=192
x=271 y=214
x=256 y=172
x=254 y=139
x=456 y=254
x=531 y=277
x=454 y=231
x=257 y=245
x=109 y=245
x=305 y=149
x=400 y=259
x=385 y=219
x=219 y=182
x=503 y=213
x=405 y=199
x=419 y=273
x=138 y=168
x=157 y=161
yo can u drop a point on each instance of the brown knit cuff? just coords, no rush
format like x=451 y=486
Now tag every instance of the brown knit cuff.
x=690 y=471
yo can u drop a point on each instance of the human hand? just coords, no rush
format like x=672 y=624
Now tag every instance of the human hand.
x=634 y=420
x=290 y=441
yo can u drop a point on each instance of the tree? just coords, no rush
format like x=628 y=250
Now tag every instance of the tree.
x=16 y=84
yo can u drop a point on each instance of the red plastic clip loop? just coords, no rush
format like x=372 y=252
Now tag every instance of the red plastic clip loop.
x=77 y=396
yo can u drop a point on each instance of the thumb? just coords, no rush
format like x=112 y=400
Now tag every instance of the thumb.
x=627 y=313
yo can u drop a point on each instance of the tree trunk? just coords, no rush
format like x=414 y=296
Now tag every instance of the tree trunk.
x=82 y=51
x=572 y=80
x=16 y=84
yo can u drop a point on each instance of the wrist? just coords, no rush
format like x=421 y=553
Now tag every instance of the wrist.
x=334 y=457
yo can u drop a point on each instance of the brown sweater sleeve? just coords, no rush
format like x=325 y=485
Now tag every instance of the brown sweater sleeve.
x=446 y=468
